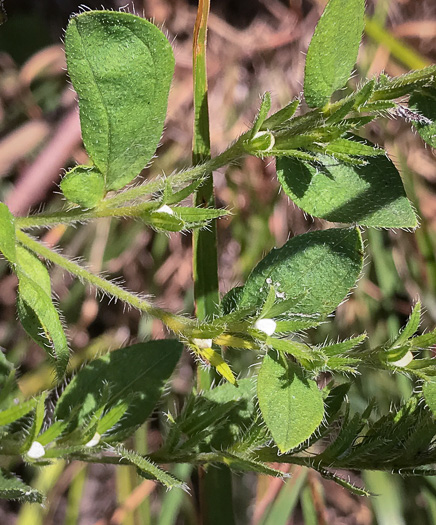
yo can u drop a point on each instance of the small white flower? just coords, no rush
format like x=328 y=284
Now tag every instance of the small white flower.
x=268 y=326
x=165 y=209
x=405 y=360
x=36 y=450
x=203 y=343
x=95 y=440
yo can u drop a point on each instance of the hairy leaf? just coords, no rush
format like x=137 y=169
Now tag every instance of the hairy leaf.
x=291 y=405
x=333 y=50
x=371 y=195
x=312 y=273
x=149 y=470
x=198 y=217
x=281 y=117
x=7 y=233
x=410 y=328
x=13 y=488
x=429 y=393
x=121 y=67
x=36 y=311
x=17 y=411
x=84 y=185
x=424 y=102
x=136 y=374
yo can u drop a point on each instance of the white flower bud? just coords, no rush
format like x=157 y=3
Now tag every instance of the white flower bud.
x=203 y=343
x=36 y=450
x=95 y=440
x=404 y=361
x=165 y=209
x=268 y=326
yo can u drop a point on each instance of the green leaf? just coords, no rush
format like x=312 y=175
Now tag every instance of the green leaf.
x=312 y=272
x=281 y=117
x=333 y=50
x=164 y=220
x=13 y=488
x=301 y=352
x=424 y=102
x=364 y=94
x=265 y=106
x=239 y=418
x=291 y=405
x=198 y=217
x=344 y=346
x=8 y=382
x=411 y=327
x=7 y=233
x=353 y=147
x=147 y=469
x=349 y=485
x=429 y=393
x=17 y=411
x=121 y=67
x=36 y=311
x=231 y=300
x=243 y=463
x=84 y=185
x=38 y=420
x=371 y=195
x=136 y=375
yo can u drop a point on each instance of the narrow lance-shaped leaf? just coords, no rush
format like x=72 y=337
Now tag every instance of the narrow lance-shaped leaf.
x=147 y=469
x=135 y=375
x=13 y=488
x=121 y=67
x=291 y=405
x=311 y=273
x=370 y=195
x=15 y=412
x=333 y=50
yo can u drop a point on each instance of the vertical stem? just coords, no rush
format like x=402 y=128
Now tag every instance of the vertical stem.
x=215 y=485
x=205 y=265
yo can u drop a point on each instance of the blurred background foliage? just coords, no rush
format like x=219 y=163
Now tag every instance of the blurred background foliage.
x=254 y=46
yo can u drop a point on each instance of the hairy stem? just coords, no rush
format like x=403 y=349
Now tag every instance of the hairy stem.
x=176 y=323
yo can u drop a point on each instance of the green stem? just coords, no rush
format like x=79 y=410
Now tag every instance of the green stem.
x=203 y=167
x=215 y=485
x=176 y=323
x=111 y=207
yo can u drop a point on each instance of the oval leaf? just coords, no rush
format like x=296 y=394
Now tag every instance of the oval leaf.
x=311 y=273
x=291 y=405
x=333 y=50
x=370 y=195
x=121 y=67
x=136 y=375
x=84 y=185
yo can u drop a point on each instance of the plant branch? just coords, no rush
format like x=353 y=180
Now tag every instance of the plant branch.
x=176 y=323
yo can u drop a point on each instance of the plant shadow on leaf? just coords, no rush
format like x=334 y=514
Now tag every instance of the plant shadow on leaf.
x=135 y=374
x=371 y=195
x=319 y=267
